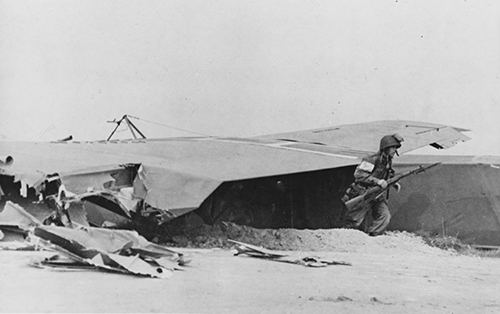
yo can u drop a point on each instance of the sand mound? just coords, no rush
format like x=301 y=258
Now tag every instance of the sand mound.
x=339 y=240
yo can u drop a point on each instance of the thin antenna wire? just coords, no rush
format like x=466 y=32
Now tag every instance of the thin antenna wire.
x=169 y=126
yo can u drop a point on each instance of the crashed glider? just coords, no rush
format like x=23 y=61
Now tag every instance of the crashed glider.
x=167 y=178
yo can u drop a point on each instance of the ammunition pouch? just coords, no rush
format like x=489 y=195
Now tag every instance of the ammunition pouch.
x=355 y=189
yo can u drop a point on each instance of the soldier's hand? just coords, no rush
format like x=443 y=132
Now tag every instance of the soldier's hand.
x=382 y=183
x=397 y=187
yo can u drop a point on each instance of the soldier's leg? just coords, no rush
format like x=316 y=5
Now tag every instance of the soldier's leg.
x=354 y=217
x=381 y=217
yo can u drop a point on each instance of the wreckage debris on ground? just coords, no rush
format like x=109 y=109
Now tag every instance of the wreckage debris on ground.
x=293 y=258
x=125 y=251
x=112 y=250
x=15 y=224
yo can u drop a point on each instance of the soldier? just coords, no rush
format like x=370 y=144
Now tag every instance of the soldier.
x=372 y=171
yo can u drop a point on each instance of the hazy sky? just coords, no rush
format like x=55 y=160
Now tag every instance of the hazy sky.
x=241 y=68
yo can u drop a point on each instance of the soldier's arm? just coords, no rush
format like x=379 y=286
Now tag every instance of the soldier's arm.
x=363 y=173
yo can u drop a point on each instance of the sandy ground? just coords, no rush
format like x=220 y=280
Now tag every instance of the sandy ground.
x=389 y=274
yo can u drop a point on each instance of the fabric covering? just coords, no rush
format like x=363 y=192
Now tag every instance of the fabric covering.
x=460 y=197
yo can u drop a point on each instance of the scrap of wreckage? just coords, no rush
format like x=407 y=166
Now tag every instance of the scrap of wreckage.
x=122 y=251
x=158 y=180
x=300 y=259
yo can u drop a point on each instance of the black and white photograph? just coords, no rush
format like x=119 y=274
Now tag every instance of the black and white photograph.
x=222 y=156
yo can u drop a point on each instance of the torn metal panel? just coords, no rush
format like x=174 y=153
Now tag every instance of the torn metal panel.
x=15 y=215
x=13 y=234
x=108 y=200
x=99 y=216
x=105 y=240
x=110 y=206
x=78 y=214
x=15 y=224
x=299 y=259
x=17 y=245
x=31 y=178
x=176 y=192
x=112 y=177
x=58 y=262
x=136 y=265
x=126 y=197
x=116 y=250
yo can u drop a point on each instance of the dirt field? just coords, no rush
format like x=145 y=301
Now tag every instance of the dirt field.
x=396 y=273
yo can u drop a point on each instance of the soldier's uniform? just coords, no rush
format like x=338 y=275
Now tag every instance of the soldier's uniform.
x=368 y=173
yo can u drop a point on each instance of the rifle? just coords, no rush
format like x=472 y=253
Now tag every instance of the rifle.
x=375 y=192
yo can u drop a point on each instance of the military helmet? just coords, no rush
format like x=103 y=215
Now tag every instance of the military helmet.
x=390 y=141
